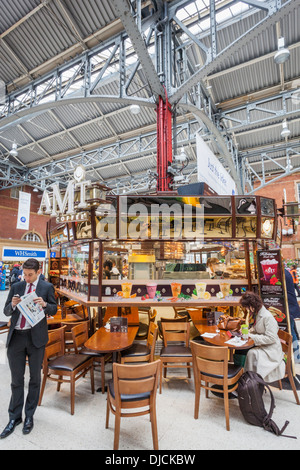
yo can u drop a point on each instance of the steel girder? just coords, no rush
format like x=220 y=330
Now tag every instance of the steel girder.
x=89 y=72
x=124 y=151
x=284 y=105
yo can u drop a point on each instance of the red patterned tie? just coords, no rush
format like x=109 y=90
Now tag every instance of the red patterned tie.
x=23 y=319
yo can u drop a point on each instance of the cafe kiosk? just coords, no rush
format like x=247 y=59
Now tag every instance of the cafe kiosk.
x=176 y=236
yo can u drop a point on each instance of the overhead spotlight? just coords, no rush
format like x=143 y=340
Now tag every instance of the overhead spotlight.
x=14 y=150
x=285 y=130
x=283 y=54
x=135 y=109
x=35 y=190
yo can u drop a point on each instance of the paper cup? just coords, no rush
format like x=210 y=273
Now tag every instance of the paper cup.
x=176 y=289
x=201 y=288
x=126 y=289
x=151 y=289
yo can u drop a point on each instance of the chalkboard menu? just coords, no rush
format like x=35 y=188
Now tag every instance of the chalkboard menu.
x=272 y=285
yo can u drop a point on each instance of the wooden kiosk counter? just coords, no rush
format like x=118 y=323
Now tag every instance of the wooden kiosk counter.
x=195 y=252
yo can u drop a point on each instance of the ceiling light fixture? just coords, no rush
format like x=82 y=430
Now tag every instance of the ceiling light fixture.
x=285 y=130
x=135 y=109
x=14 y=150
x=283 y=54
x=35 y=190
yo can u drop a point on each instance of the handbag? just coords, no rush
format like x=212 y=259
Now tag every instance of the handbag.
x=229 y=323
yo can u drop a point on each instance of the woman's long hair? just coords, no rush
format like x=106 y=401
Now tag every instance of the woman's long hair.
x=250 y=299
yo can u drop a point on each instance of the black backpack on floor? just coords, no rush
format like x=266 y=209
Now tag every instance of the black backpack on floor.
x=250 y=395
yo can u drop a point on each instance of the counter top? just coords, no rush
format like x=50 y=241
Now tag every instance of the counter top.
x=138 y=302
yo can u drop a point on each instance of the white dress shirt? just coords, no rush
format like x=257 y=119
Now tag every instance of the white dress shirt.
x=27 y=324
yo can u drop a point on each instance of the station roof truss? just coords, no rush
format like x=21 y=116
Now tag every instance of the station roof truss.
x=70 y=72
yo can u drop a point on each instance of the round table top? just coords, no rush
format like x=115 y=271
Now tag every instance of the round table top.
x=221 y=337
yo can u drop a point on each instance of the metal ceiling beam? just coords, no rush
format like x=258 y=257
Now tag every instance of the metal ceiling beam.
x=118 y=153
x=275 y=13
x=283 y=105
x=124 y=10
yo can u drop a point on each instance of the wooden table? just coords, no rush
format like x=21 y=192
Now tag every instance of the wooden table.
x=103 y=341
x=57 y=319
x=221 y=337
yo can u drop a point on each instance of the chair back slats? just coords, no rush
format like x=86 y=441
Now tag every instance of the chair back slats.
x=152 y=337
x=176 y=331
x=210 y=367
x=133 y=386
x=80 y=334
x=285 y=340
x=127 y=371
x=135 y=379
x=209 y=359
x=55 y=345
x=207 y=352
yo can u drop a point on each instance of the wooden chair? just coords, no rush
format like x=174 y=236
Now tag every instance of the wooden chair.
x=168 y=319
x=181 y=312
x=139 y=351
x=80 y=335
x=4 y=327
x=144 y=327
x=211 y=367
x=286 y=340
x=69 y=345
x=67 y=367
x=132 y=387
x=176 y=352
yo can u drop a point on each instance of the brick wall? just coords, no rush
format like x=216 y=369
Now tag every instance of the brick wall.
x=290 y=244
x=9 y=214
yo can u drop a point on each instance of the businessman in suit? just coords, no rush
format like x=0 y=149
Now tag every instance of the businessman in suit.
x=24 y=341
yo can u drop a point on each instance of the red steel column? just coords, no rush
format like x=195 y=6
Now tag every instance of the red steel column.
x=164 y=144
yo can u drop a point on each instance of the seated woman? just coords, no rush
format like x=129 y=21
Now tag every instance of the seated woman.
x=266 y=358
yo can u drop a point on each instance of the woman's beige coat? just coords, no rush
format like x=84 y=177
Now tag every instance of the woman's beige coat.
x=266 y=358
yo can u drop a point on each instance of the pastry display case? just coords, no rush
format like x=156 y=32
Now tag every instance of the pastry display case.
x=162 y=239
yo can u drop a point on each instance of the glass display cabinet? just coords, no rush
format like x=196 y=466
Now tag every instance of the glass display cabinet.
x=161 y=239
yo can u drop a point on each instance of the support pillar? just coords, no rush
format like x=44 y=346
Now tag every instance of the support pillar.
x=164 y=144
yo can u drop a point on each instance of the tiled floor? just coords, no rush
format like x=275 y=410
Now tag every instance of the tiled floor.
x=56 y=429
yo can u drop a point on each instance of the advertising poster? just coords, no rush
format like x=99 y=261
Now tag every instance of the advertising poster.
x=272 y=285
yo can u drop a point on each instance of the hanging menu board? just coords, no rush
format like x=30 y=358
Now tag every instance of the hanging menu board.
x=272 y=285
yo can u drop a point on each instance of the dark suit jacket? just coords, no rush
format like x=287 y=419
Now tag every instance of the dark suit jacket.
x=39 y=333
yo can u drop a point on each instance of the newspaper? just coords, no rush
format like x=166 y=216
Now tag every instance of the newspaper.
x=236 y=341
x=32 y=311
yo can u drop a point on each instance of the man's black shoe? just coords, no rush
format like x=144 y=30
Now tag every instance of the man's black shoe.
x=10 y=427
x=28 y=425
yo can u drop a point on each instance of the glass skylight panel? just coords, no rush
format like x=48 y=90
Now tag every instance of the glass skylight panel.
x=191 y=9
x=182 y=14
x=223 y=15
x=239 y=8
x=195 y=29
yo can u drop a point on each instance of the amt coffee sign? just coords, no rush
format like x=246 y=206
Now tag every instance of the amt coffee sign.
x=21 y=254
